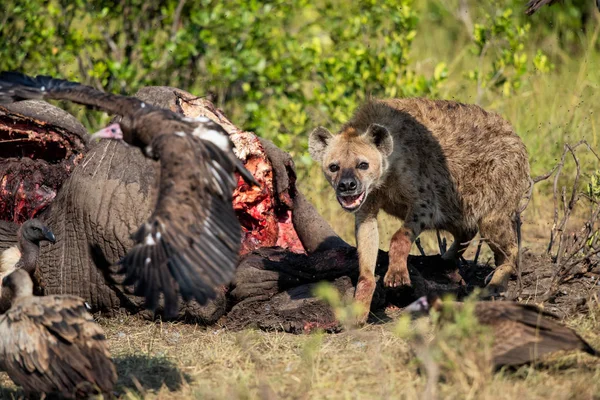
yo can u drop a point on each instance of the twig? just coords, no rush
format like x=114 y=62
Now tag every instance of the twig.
x=418 y=243
x=16 y=140
x=479 y=76
x=176 y=18
x=578 y=248
x=440 y=243
x=568 y=207
x=465 y=17
x=112 y=46
x=518 y=225
x=432 y=370
x=518 y=264
x=556 y=226
x=478 y=251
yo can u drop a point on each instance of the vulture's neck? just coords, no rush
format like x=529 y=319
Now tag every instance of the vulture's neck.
x=29 y=254
x=23 y=290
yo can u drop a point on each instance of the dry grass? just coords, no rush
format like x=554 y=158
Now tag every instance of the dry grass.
x=178 y=361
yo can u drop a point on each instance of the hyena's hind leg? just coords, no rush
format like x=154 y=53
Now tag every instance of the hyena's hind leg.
x=462 y=239
x=500 y=234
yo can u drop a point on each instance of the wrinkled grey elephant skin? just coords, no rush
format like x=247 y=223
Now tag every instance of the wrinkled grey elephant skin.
x=107 y=197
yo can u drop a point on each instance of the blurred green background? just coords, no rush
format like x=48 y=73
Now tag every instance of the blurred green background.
x=280 y=68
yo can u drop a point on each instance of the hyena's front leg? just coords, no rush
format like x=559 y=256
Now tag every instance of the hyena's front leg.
x=367 y=243
x=397 y=273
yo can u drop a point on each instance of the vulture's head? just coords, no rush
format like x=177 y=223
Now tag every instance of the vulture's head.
x=113 y=131
x=425 y=304
x=35 y=231
x=19 y=283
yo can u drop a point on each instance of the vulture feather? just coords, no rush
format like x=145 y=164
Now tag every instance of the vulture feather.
x=534 y=5
x=51 y=344
x=522 y=332
x=191 y=241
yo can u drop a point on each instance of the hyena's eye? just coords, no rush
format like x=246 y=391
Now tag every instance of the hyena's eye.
x=363 y=165
x=334 y=168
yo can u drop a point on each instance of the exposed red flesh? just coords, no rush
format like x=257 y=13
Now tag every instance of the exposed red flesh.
x=35 y=159
x=266 y=219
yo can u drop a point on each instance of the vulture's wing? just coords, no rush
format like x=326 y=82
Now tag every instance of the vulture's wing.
x=16 y=86
x=52 y=344
x=534 y=5
x=192 y=239
x=523 y=333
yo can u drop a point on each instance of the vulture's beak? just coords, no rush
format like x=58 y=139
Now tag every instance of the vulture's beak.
x=248 y=177
x=419 y=306
x=49 y=235
x=110 y=132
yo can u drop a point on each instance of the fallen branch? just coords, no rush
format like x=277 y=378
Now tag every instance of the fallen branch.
x=571 y=250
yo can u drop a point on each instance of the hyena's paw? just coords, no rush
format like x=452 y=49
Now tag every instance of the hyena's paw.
x=363 y=295
x=396 y=277
x=498 y=284
x=360 y=319
x=492 y=291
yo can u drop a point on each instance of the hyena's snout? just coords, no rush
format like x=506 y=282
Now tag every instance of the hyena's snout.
x=349 y=191
x=348 y=184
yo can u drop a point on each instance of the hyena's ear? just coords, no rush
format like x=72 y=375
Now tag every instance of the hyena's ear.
x=381 y=138
x=318 y=142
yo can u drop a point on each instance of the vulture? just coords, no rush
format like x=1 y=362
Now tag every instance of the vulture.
x=25 y=253
x=534 y=5
x=190 y=243
x=52 y=345
x=522 y=332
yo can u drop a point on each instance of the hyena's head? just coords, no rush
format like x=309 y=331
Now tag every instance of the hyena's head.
x=353 y=162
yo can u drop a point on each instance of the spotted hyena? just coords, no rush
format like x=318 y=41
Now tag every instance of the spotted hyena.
x=436 y=165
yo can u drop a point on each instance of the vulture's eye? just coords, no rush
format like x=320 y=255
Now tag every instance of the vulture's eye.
x=363 y=165
x=113 y=130
x=334 y=168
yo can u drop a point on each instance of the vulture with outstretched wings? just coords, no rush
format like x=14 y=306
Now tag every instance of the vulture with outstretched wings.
x=534 y=5
x=190 y=242
x=52 y=345
x=522 y=332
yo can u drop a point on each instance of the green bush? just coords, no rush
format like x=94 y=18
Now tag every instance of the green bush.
x=278 y=67
x=500 y=42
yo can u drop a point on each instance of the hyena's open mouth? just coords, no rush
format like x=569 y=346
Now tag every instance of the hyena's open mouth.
x=351 y=203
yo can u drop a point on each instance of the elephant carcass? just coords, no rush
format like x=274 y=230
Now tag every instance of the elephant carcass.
x=113 y=191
